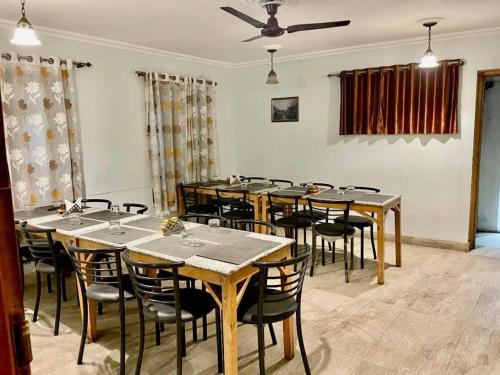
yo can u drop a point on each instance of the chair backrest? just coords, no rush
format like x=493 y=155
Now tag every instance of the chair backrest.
x=141 y=208
x=249 y=225
x=97 y=266
x=40 y=244
x=361 y=188
x=150 y=288
x=282 y=287
x=343 y=206
x=234 y=198
x=277 y=181
x=190 y=198
x=98 y=200
x=206 y=217
x=319 y=184
x=250 y=179
x=276 y=204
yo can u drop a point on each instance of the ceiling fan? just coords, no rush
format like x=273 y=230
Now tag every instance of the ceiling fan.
x=271 y=28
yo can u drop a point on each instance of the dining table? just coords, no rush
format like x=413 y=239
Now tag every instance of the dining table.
x=221 y=259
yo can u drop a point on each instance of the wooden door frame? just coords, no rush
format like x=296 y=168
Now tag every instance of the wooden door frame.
x=476 y=153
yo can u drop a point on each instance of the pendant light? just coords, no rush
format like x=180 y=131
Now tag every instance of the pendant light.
x=272 y=78
x=429 y=59
x=24 y=35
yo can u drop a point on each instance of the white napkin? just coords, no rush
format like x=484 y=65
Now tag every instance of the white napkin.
x=73 y=207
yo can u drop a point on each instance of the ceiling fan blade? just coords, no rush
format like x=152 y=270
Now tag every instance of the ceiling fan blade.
x=244 y=17
x=253 y=38
x=315 y=26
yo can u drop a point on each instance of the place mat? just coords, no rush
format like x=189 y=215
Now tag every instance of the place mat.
x=150 y=222
x=302 y=189
x=64 y=224
x=211 y=183
x=130 y=234
x=106 y=215
x=171 y=246
x=222 y=234
x=354 y=195
x=290 y=193
x=35 y=213
x=259 y=186
x=238 y=251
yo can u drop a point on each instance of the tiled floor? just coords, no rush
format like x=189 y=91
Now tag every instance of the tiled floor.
x=438 y=314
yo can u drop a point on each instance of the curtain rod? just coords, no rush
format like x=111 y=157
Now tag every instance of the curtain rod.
x=50 y=60
x=407 y=66
x=173 y=78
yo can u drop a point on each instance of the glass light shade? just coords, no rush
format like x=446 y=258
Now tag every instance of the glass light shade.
x=272 y=78
x=24 y=35
x=281 y=3
x=428 y=60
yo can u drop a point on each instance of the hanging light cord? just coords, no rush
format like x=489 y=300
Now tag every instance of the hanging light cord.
x=22 y=8
x=272 y=60
x=429 y=40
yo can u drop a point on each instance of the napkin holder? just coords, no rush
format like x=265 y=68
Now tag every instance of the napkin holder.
x=73 y=208
x=171 y=225
x=312 y=189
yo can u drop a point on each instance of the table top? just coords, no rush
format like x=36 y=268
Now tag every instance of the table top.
x=224 y=251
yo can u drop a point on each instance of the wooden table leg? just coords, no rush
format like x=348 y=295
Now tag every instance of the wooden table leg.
x=397 y=232
x=264 y=214
x=380 y=245
x=257 y=213
x=229 y=324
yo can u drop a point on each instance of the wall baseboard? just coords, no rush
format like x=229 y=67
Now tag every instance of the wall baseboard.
x=428 y=242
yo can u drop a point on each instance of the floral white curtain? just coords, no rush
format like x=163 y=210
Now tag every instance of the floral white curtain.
x=182 y=132
x=42 y=132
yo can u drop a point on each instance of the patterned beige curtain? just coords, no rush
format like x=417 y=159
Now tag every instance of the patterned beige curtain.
x=42 y=131
x=182 y=134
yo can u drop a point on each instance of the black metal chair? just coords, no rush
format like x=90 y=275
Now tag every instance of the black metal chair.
x=276 y=298
x=252 y=179
x=160 y=299
x=107 y=202
x=141 y=208
x=102 y=281
x=203 y=217
x=292 y=222
x=249 y=225
x=49 y=259
x=361 y=222
x=192 y=202
x=277 y=181
x=332 y=232
x=234 y=204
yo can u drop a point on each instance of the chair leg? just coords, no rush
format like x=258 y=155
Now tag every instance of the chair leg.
x=140 y=354
x=100 y=308
x=260 y=336
x=351 y=266
x=204 y=327
x=195 y=330
x=332 y=248
x=21 y=270
x=314 y=254
x=157 y=333
x=184 y=353
x=180 y=346
x=63 y=288
x=218 y=337
x=84 y=328
x=300 y=339
x=122 y=337
x=362 y=248
x=346 y=266
x=49 y=283
x=38 y=292
x=373 y=243
x=58 y=305
x=273 y=335
x=323 y=263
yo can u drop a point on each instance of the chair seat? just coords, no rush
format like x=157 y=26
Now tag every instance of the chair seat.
x=356 y=221
x=195 y=303
x=64 y=262
x=202 y=209
x=272 y=311
x=316 y=215
x=238 y=214
x=109 y=292
x=293 y=221
x=334 y=229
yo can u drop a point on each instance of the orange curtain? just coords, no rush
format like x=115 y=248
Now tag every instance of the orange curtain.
x=400 y=99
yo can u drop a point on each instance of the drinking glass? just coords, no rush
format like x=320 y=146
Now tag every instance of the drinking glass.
x=186 y=237
x=164 y=215
x=213 y=225
x=28 y=208
x=75 y=219
x=115 y=210
x=114 y=227
x=244 y=184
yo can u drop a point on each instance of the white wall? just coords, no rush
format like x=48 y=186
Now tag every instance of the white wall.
x=112 y=113
x=431 y=172
x=489 y=174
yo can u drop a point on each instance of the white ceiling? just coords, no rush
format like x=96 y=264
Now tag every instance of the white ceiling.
x=199 y=28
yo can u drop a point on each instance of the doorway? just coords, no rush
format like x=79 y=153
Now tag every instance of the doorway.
x=484 y=229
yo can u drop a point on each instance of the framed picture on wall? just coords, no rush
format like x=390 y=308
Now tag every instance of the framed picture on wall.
x=285 y=109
